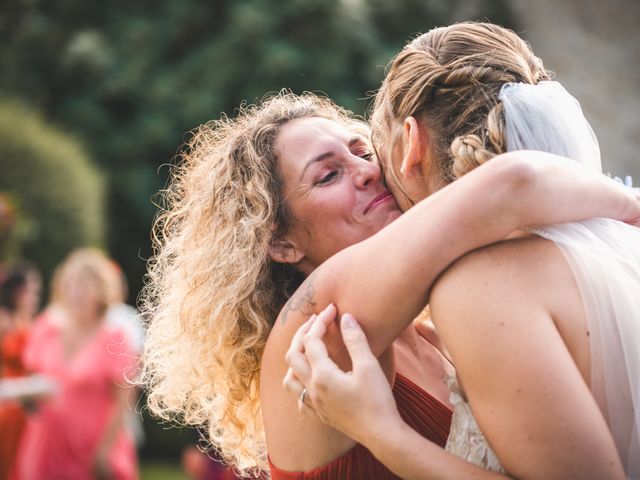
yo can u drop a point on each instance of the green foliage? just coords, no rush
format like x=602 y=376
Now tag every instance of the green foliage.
x=129 y=78
x=58 y=194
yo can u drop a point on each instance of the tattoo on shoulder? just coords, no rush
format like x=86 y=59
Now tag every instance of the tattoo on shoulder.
x=301 y=301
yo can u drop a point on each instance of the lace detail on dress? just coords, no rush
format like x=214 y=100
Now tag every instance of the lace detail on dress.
x=465 y=440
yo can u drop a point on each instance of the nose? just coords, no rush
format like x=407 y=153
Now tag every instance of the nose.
x=365 y=173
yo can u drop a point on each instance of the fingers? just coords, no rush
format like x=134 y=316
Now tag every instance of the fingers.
x=292 y=383
x=316 y=354
x=355 y=341
x=314 y=348
x=297 y=340
x=328 y=315
x=298 y=372
x=306 y=408
x=315 y=351
x=322 y=322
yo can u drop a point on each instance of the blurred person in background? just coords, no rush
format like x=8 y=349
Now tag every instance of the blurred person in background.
x=79 y=433
x=200 y=465
x=19 y=302
x=122 y=315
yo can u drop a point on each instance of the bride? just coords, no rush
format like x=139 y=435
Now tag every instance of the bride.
x=542 y=328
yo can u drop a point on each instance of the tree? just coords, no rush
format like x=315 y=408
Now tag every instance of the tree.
x=57 y=194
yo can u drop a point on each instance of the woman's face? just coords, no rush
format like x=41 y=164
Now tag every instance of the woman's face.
x=82 y=293
x=332 y=186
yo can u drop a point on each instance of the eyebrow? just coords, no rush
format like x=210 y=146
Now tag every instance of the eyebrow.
x=325 y=155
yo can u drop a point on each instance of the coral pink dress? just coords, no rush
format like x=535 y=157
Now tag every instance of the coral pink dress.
x=61 y=439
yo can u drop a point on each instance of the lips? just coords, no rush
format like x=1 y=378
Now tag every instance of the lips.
x=378 y=199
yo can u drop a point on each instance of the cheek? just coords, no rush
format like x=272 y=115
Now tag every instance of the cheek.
x=332 y=203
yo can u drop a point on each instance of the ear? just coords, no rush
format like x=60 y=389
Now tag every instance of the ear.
x=412 y=159
x=283 y=251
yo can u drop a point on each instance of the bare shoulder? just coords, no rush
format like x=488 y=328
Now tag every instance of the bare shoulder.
x=284 y=424
x=505 y=283
x=499 y=290
x=509 y=265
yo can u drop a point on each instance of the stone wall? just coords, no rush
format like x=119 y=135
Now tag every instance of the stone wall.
x=593 y=46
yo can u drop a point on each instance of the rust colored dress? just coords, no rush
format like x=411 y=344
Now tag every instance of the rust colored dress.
x=423 y=412
x=12 y=415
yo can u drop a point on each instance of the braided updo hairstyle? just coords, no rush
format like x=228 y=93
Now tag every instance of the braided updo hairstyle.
x=450 y=78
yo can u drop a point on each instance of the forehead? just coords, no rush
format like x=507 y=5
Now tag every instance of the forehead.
x=304 y=138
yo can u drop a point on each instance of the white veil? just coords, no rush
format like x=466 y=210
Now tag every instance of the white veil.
x=604 y=256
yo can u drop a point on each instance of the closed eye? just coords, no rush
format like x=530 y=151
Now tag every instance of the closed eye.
x=327 y=178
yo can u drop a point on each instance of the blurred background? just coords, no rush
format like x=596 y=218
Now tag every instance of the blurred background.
x=96 y=98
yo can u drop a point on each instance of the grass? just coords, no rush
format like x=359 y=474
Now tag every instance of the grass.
x=158 y=470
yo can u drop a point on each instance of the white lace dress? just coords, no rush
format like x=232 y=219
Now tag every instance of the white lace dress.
x=465 y=440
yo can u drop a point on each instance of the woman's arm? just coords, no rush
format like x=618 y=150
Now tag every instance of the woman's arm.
x=101 y=466
x=385 y=280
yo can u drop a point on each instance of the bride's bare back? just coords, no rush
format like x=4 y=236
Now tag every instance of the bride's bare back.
x=513 y=320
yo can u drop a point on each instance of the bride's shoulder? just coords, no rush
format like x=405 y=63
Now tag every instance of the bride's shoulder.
x=522 y=262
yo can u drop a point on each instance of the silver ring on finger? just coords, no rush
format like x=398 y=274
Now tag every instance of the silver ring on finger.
x=303 y=395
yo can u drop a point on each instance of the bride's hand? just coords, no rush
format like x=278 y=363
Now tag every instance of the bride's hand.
x=358 y=403
x=628 y=182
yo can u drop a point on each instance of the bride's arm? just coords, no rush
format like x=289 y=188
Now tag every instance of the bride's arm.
x=385 y=280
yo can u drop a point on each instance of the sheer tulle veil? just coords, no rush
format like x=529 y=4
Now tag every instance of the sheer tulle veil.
x=604 y=256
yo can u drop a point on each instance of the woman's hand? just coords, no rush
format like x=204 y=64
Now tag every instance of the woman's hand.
x=358 y=403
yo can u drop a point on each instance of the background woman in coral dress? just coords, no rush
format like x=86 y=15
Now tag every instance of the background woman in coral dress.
x=78 y=433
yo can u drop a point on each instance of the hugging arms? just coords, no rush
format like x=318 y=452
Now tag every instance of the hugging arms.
x=288 y=191
x=386 y=280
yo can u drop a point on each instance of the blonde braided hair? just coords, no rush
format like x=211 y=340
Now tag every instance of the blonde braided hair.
x=450 y=78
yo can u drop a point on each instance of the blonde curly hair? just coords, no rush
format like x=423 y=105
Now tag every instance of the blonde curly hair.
x=450 y=77
x=212 y=291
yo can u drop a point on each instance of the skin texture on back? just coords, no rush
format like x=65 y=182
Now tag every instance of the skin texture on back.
x=512 y=318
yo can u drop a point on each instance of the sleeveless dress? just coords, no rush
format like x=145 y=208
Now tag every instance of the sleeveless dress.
x=60 y=439
x=604 y=256
x=423 y=412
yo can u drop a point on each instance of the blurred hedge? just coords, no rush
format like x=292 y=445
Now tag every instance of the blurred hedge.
x=58 y=193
